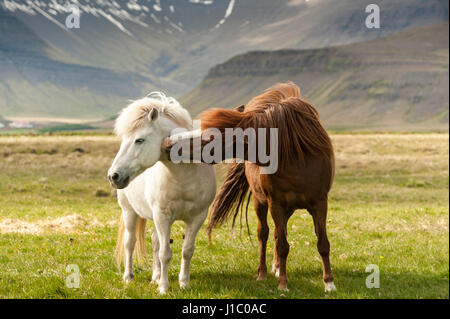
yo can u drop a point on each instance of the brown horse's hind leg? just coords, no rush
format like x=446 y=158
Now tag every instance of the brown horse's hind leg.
x=319 y=214
x=280 y=217
x=263 y=235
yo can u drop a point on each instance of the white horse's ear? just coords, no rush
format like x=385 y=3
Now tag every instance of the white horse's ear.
x=153 y=114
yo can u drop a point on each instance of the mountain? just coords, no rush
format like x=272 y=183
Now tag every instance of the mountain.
x=397 y=82
x=33 y=84
x=127 y=48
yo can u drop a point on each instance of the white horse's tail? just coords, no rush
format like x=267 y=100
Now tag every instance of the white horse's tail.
x=141 y=251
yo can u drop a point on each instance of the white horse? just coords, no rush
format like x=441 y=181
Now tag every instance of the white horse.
x=152 y=187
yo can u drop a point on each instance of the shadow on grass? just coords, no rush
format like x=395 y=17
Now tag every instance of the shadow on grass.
x=308 y=284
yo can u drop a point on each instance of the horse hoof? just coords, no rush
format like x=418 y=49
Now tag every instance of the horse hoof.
x=128 y=278
x=261 y=277
x=329 y=287
x=184 y=284
x=283 y=288
x=163 y=290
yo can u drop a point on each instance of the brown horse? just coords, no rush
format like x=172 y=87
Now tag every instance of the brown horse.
x=302 y=181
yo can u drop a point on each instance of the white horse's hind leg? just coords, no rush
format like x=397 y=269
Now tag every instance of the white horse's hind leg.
x=275 y=268
x=156 y=271
x=188 y=247
x=162 y=225
x=130 y=221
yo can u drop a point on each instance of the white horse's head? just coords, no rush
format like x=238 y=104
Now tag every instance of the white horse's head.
x=143 y=125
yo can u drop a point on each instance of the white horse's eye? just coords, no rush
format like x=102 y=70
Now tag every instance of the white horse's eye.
x=139 y=141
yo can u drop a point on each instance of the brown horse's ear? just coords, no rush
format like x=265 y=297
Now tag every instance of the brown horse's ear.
x=240 y=108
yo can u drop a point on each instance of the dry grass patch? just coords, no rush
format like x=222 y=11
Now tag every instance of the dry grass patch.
x=70 y=224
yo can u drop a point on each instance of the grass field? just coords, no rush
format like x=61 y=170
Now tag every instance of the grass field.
x=389 y=206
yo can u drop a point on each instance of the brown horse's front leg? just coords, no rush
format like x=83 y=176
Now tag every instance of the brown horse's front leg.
x=263 y=235
x=280 y=218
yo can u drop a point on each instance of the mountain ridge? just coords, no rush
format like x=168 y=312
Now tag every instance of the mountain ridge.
x=188 y=54
x=398 y=81
x=27 y=69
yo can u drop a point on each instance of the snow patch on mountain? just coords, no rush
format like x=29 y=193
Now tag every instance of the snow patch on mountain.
x=227 y=14
x=118 y=13
x=205 y=2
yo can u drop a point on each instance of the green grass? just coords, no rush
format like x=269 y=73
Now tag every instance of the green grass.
x=389 y=206
x=67 y=127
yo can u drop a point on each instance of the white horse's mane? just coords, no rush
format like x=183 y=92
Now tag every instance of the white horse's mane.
x=134 y=116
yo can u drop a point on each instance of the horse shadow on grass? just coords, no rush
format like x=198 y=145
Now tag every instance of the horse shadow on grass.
x=308 y=284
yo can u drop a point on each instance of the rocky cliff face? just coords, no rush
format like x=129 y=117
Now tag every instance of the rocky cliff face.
x=397 y=82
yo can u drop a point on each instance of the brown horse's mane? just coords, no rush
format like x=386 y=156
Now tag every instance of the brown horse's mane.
x=300 y=131
x=300 y=134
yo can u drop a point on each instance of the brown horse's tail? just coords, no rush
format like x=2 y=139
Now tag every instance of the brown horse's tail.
x=231 y=197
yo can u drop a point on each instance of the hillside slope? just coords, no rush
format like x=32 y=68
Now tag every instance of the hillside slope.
x=175 y=42
x=32 y=83
x=400 y=82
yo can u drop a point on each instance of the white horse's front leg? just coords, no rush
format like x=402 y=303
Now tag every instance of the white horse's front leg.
x=188 y=247
x=129 y=239
x=156 y=269
x=162 y=225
